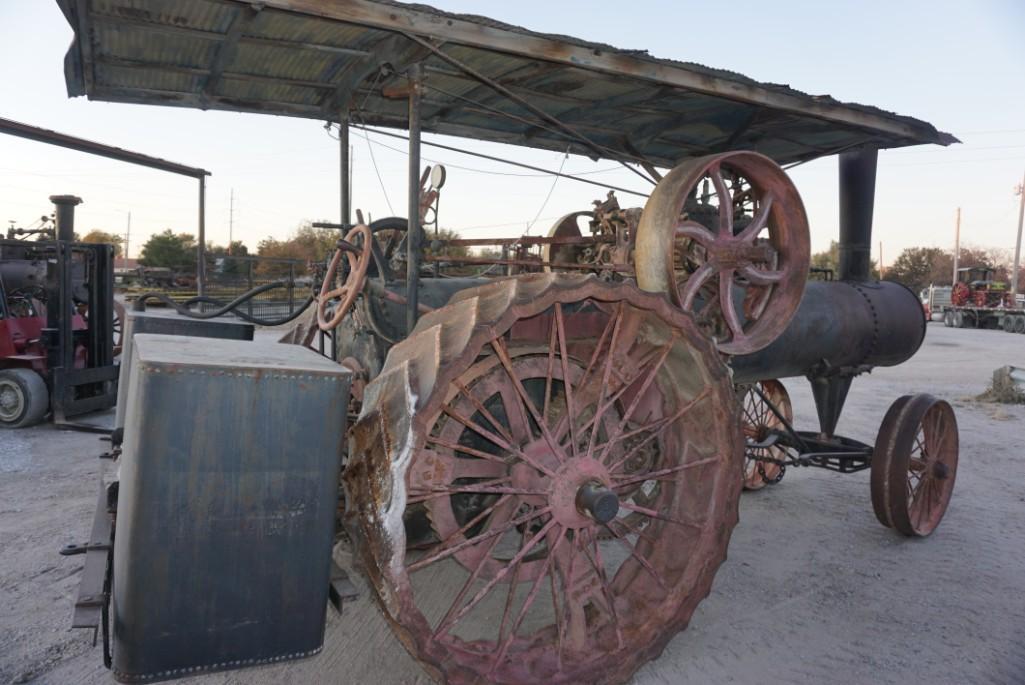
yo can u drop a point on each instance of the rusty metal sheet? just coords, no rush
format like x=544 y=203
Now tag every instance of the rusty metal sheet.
x=315 y=58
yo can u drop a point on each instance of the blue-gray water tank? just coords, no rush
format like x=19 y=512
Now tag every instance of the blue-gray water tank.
x=226 y=506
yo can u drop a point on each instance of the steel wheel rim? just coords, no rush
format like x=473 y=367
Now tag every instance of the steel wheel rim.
x=757 y=417
x=755 y=271
x=523 y=648
x=12 y=401
x=914 y=464
x=931 y=468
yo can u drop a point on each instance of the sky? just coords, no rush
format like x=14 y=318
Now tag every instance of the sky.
x=957 y=65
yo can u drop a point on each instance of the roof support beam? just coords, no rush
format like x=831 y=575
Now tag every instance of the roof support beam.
x=452 y=28
x=43 y=135
x=199 y=34
x=229 y=46
x=196 y=71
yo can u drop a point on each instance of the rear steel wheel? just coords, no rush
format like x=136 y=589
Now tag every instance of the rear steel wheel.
x=526 y=416
x=914 y=464
x=758 y=419
x=727 y=237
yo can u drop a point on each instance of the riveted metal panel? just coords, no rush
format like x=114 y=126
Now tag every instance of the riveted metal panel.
x=169 y=323
x=228 y=493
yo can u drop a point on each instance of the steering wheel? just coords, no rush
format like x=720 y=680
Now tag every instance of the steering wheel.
x=358 y=253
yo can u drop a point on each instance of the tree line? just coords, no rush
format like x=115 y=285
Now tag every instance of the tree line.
x=915 y=267
x=920 y=267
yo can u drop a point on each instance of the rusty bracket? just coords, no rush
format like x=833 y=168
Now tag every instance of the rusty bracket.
x=73 y=550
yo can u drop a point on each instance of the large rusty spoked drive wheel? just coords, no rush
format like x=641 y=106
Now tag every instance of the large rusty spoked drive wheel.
x=356 y=248
x=758 y=419
x=914 y=464
x=527 y=417
x=727 y=237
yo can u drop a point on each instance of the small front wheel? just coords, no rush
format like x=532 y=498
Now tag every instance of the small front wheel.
x=24 y=398
x=914 y=464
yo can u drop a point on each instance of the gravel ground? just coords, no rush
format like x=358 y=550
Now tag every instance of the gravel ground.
x=815 y=590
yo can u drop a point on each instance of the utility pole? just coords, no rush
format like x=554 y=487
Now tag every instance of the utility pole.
x=880 y=260
x=1017 y=245
x=128 y=235
x=957 y=245
x=231 y=219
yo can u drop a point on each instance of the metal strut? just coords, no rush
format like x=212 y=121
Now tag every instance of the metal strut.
x=568 y=130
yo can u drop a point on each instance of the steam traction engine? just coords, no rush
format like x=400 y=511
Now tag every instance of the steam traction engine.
x=559 y=436
x=545 y=467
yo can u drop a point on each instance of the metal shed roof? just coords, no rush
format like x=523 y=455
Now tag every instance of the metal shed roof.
x=319 y=58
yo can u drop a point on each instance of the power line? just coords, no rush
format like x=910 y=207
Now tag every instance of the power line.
x=966 y=148
x=958 y=161
x=992 y=132
x=548 y=197
x=491 y=172
x=507 y=161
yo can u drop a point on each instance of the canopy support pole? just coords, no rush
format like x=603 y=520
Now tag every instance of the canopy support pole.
x=413 y=250
x=343 y=168
x=201 y=247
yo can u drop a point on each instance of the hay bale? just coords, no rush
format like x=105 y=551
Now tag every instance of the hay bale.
x=1007 y=386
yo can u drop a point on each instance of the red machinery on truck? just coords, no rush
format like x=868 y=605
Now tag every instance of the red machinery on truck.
x=977 y=300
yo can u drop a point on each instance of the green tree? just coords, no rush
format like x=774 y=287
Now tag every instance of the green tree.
x=220 y=259
x=306 y=244
x=440 y=250
x=830 y=259
x=169 y=249
x=98 y=236
x=915 y=267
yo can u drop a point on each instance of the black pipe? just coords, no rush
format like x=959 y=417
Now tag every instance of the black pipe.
x=857 y=200
x=65 y=219
x=841 y=328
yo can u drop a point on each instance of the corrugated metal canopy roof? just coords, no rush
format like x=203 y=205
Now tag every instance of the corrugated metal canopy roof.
x=317 y=58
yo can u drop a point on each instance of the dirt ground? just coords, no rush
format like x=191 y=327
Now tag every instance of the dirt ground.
x=814 y=590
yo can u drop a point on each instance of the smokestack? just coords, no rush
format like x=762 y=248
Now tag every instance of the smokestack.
x=65 y=206
x=857 y=200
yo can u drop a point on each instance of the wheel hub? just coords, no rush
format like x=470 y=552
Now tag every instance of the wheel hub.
x=10 y=401
x=578 y=488
x=580 y=494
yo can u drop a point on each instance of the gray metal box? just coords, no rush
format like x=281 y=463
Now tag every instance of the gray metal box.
x=169 y=322
x=228 y=493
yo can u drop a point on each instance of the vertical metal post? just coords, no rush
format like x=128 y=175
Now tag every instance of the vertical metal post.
x=413 y=208
x=201 y=247
x=64 y=208
x=1017 y=245
x=957 y=246
x=128 y=241
x=291 y=287
x=249 y=283
x=344 y=181
x=857 y=200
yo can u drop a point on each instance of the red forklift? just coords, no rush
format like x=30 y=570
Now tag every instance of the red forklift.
x=57 y=324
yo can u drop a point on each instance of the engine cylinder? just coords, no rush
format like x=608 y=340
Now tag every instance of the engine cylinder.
x=840 y=326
